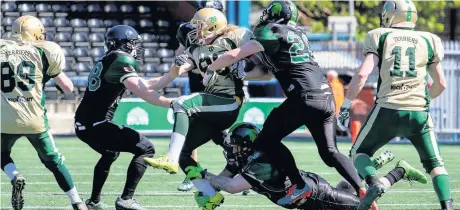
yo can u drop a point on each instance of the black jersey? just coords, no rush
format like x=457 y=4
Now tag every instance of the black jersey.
x=105 y=87
x=287 y=52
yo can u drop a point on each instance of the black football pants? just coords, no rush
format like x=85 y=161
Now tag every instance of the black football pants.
x=317 y=112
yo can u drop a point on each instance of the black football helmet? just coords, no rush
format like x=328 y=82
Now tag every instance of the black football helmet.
x=239 y=141
x=215 y=4
x=281 y=12
x=124 y=38
x=182 y=34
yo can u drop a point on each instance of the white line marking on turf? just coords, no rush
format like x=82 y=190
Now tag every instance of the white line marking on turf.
x=124 y=174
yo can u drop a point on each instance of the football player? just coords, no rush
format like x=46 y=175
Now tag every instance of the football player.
x=404 y=58
x=286 y=51
x=194 y=77
x=112 y=74
x=255 y=171
x=27 y=63
x=201 y=116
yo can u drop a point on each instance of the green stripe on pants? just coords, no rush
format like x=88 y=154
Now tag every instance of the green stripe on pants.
x=204 y=102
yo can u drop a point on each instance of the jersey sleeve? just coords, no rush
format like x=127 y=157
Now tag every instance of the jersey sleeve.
x=267 y=39
x=122 y=68
x=243 y=37
x=56 y=59
x=371 y=43
x=438 y=49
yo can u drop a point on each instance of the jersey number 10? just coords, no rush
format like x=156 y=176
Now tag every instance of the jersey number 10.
x=9 y=81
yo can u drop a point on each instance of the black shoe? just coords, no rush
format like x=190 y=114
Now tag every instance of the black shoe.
x=17 y=200
x=447 y=205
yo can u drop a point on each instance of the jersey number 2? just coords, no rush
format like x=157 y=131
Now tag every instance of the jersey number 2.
x=299 y=48
x=94 y=79
x=397 y=72
x=9 y=81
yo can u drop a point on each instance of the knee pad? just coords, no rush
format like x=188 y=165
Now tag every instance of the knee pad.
x=110 y=156
x=432 y=163
x=5 y=159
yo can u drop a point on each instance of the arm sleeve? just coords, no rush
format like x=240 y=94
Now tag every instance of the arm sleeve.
x=438 y=49
x=122 y=68
x=56 y=62
x=267 y=39
x=371 y=43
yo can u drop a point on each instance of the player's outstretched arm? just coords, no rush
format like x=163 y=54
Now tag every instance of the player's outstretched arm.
x=230 y=185
x=181 y=65
x=439 y=80
x=358 y=80
x=139 y=87
x=232 y=56
x=64 y=82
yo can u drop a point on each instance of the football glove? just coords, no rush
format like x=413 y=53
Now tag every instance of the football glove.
x=238 y=69
x=194 y=172
x=343 y=119
x=180 y=59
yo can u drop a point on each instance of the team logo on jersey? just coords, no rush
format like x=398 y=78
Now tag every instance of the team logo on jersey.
x=129 y=68
x=137 y=116
x=211 y=48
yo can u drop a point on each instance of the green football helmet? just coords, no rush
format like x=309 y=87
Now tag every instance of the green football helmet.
x=281 y=12
x=239 y=141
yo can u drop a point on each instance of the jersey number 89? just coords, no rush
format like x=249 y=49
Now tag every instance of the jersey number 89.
x=9 y=81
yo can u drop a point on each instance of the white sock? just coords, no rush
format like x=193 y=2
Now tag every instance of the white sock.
x=205 y=187
x=385 y=182
x=175 y=147
x=73 y=195
x=10 y=170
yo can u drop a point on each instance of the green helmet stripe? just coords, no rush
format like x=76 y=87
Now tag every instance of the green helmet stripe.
x=409 y=12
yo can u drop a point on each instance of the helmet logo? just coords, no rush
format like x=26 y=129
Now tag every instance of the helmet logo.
x=213 y=19
x=276 y=9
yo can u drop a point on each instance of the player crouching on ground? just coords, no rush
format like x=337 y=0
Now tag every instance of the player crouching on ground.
x=254 y=171
x=27 y=63
x=404 y=58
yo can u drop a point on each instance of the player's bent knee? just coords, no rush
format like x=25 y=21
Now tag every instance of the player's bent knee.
x=146 y=147
x=5 y=159
x=438 y=171
x=433 y=163
x=329 y=156
x=177 y=107
x=52 y=161
x=357 y=155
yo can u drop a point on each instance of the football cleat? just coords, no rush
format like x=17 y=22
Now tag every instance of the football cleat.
x=383 y=159
x=96 y=206
x=411 y=174
x=207 y=203
x=374 y=192
x=164 y=163
x=17 y=200
x=185 y=186
x=294 y=194
x=79 y=206
x=129 y=204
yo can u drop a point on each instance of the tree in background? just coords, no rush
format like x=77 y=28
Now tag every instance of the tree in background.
x=314 y=14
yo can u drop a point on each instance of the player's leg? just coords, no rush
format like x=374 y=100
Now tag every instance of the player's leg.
x=200 y=132
x=282 y=121
x=49 y=155
x=129 y=140
x=8 y=166
x=322 y=130
x=95 y=138
x=428 y=150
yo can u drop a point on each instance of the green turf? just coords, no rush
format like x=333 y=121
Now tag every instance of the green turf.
x=158 y=189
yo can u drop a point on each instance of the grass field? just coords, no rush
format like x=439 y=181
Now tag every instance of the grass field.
x=158 y=189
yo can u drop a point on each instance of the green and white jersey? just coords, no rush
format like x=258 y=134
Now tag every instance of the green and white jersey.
x=25 y=68
x=404 y=57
